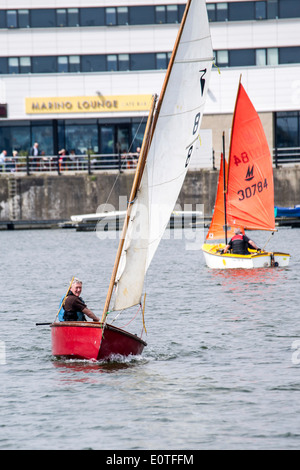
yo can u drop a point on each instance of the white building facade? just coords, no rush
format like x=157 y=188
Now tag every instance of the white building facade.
x=79 y=74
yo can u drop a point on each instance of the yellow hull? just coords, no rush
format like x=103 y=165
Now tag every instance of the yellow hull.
x=256 y=259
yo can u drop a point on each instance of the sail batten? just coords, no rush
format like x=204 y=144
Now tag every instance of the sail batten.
x=177 y=121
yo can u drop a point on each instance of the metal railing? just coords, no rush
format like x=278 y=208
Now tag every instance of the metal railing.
x=67 y=163
x=286 y=155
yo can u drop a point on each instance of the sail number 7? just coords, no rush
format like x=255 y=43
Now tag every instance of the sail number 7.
x=250 y=191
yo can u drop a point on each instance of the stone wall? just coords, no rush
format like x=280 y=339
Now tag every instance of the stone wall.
x=57 y=197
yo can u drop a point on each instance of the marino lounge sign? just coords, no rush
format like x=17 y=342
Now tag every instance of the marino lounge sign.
x=87 y=104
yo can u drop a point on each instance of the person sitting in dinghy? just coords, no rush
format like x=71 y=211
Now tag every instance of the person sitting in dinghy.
x=239 y=244
x=74 y=308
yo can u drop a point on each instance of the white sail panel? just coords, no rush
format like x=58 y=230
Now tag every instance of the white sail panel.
x=176 y=132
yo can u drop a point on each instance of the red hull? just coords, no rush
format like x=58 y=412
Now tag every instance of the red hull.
x=85 y=340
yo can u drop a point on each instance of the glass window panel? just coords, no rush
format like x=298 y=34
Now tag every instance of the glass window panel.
x=160 y=14
x=44 y=64
x=45 y=18
x=92 y=17
x=222 y=11
x=181 y=12
x=107 y=139
x=74 y=63
x=143 y=62
x=111 y=16
x=222 y=58
x=242 y=57
x=112 y=63
x=62 y=64
x=43 y=134
x=287 y=134
x=13 y=65
x=3 y=65
x=161 y=61
x=261 y=57
x=272 y=56
x=272 y=9
x=172 y=14
x=25 y=65
x=61 y=17
x=23 y=17
x=260 y=10
x=81 y=138
x=73 y=17
x=2 y=19
x=11 y=19
x=137 y=132
x=289 y=55
x=142 y=15
x=211 y=11
x=93 y=63
x=122 y=15
x=124 y=63
x=241 y=11
x=289 y=9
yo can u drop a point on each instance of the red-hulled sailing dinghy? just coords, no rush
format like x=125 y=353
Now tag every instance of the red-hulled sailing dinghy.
x=171 y=139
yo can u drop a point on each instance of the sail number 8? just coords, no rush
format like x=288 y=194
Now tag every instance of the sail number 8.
x=250 y=191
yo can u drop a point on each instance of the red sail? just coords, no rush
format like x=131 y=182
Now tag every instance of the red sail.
x=250 y=190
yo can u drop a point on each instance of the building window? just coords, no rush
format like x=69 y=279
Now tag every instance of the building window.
x=23 y=18
x=2 y=19
x=61 y=17
x=93 y=63
x=272 y=56
x=44 y=64
x=25 y=65
x=222 y=11
x=74 y=63
x=161 y=61
x=73 y=17
x=287 y=129
x=172 y=14
x=92 y=17
x=3 y=65
x=211 y=11
x=260 y=10
x=124 y=62
x=160 y=14
x=143 y=62
x=272 y=9
x=289 y=9
x=223 y=58
x=63 y=64
x=289 y=55
x=142 y=15
x=239 y=11
x=112 y=63
x=13 y=65
x=45 y=18
x=11 y=19
x=242 y=57
x=111 y=16
x=122 y=13
x=261 y=57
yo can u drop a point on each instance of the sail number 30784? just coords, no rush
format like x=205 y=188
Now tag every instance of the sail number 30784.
x=250 y=191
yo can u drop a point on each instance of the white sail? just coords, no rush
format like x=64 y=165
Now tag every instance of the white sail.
x=175 y=135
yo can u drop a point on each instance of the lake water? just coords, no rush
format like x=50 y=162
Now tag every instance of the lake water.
x=221 y=369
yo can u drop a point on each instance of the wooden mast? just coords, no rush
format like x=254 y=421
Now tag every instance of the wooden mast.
x=151 y=124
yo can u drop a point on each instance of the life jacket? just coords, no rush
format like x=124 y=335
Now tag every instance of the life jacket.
x=239 y=245
x=68 y=316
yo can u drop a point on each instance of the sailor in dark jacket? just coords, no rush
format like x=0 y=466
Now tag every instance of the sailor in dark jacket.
x=74 y=307
x=239 y=244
